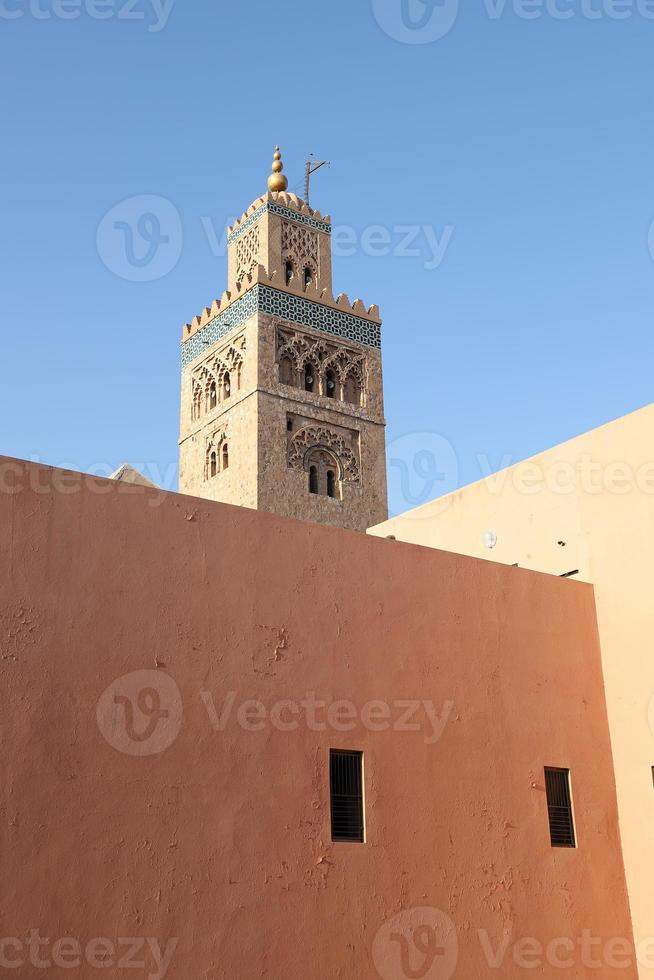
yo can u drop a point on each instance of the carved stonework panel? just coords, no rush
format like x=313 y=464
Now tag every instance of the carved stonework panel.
x=324 y=354
x=304 y=443
x=247 y=253
x=217 y=378
x=300 y=245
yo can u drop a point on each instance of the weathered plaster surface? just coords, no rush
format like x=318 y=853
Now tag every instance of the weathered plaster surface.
x=223 y=839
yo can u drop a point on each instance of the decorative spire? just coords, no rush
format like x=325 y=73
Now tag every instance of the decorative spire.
x=277 y=181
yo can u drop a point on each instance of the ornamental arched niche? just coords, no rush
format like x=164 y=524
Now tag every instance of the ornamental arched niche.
x=310 y=441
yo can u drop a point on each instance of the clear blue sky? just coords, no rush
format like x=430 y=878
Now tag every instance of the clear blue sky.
x=531 y=140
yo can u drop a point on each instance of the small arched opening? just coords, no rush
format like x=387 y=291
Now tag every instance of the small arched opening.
x=286 y=370
x=352 y=389
x=330 y=383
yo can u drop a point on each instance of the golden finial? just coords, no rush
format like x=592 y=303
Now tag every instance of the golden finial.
x=277 y=181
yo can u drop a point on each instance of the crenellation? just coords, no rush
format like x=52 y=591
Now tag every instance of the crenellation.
x=282 y=395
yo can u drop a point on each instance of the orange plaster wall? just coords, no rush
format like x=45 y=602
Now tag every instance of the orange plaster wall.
x=222 y=840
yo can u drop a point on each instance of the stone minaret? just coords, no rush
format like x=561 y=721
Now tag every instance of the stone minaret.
x=282 y=404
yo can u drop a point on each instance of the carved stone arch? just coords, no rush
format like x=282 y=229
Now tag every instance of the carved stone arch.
x=354 y=390
x=316 y=437
x=197 y=399
x=214 y=453
x=314 y=451
x=310 y=266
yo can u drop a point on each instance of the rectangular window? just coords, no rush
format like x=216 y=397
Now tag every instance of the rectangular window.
x=559 y=807
x=346 y=789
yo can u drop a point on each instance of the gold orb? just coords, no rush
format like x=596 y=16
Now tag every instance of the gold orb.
x=277 y=181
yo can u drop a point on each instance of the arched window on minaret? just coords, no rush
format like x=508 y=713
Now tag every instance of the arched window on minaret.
x=213 y=463
x=313 y=479
x=289 y=272
x=227 y=385
x=309 y=377
x=330 y=383
x=308 y=276
x=331 y=483
x=196 y=410
x=353 y=389
x=286 y=370
x=225 y=452
x=213 y=396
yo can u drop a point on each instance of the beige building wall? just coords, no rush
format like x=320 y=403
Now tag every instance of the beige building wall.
x=587 y=504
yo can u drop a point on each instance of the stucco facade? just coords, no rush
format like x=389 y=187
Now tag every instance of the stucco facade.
x=586 y=506
x=162 y=659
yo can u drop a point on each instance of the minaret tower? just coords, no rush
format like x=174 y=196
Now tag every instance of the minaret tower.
x=282 y=403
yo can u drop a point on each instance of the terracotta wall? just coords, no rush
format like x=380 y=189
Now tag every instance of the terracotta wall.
x=587 y=504
x=135 y=806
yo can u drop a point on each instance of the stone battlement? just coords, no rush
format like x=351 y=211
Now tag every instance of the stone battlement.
x=276 y=280
x=285 y=201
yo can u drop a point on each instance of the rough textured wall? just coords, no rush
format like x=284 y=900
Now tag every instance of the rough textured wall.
x=162 y=806
x=285 y=490
x=587 y=504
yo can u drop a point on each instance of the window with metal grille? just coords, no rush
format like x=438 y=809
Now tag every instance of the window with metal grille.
x=346 y=786
x=559 y=807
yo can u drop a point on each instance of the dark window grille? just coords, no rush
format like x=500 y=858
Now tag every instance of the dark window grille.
x=559 y=807
x=346 y=786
